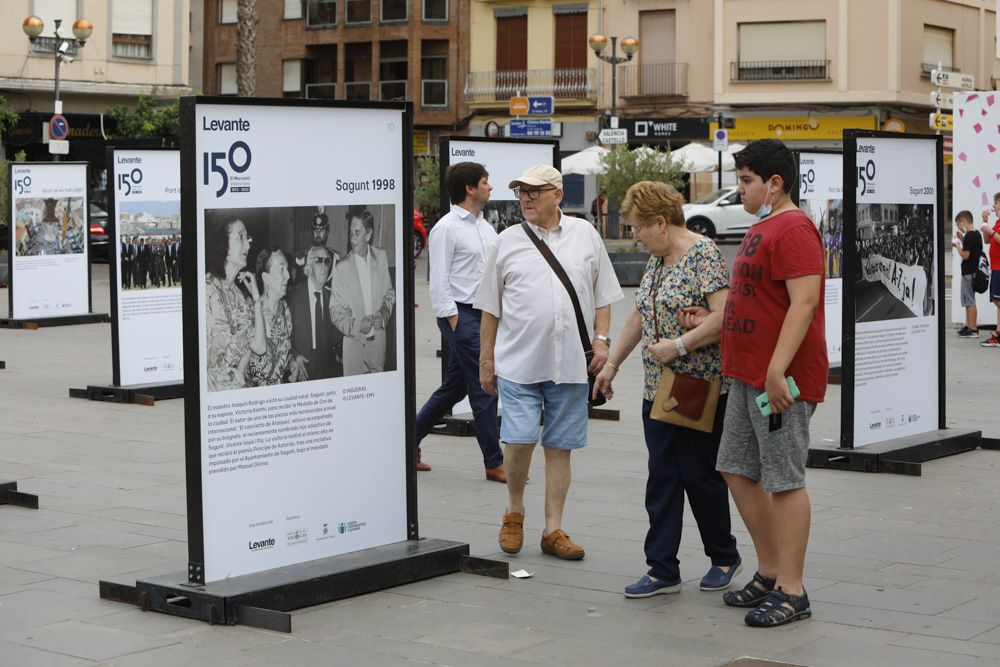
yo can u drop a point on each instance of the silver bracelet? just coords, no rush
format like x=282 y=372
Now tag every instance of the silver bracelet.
x=679 y=343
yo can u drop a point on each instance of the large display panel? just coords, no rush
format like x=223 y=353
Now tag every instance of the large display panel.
x=975 y=182
x=893 y=275
x=147 y=249
x=297 y=331
x=821 y=197
x=49 y=258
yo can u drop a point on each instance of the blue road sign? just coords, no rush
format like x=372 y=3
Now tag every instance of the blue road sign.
x=536 y=127
x=58 y=127
x=540 y=106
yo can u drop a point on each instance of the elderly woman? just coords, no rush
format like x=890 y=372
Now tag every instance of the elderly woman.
x=277 y=364
x=685 y=271
x=233 y=314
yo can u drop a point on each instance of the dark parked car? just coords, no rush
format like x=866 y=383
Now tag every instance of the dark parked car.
x=98 y=233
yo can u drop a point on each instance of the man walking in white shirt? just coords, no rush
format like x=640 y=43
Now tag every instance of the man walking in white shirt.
x=458 y=247
x=531 y=349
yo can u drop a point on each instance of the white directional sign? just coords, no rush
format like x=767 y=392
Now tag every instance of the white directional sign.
x=720 y=140
x=609 y=136
x=953 y=80
x=943 y=100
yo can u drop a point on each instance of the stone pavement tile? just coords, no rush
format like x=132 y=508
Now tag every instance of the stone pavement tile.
x=952 y=646
x=989 y=637
x=983 y=608
x=828 y=652
x=415 y=652
x=894 y=599
x=632 y=648
x=16 y=553
x=90 y=533
x=297 y=652
x=980 y=557
x=933 y=626
x=26 y=656
x=928 y=572
x=22 y=520
x=95 y=563
x=485 y=637
x=923 y=525
x=145 y=517
x=131 y=618
x=894 y=547
x=832 y=568
x=37 y=607
x=85 y=640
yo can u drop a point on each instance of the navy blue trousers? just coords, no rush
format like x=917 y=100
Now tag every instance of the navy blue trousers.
x=682 y=461
x=461 y=378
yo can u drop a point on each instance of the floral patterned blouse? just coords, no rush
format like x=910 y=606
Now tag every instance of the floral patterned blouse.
x=701 y=271
x=270 y=367
x=230 y=323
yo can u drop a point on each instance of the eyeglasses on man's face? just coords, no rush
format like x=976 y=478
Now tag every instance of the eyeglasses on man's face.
x=323 y=260
x=531 y=194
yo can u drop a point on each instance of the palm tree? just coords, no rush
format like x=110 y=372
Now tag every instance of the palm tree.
x=246 y=47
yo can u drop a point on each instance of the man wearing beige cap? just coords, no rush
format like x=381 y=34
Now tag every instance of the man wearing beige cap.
x=531 y=351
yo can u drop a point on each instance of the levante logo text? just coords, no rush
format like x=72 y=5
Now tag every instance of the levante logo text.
x=262 y=544
x=226 y=125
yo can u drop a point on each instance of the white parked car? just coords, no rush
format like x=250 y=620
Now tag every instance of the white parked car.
x=718 y=214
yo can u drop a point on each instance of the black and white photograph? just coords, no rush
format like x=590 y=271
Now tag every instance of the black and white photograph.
x=894 y=278
x=828 y=216
x=49 y=226
x=503 y=214
x=299 y=293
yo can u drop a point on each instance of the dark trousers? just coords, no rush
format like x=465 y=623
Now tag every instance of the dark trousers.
x=683 y=460
x=461 y=378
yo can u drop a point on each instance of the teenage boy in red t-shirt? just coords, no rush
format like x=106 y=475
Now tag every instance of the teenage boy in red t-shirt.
x=991 y=235
x=773 y=330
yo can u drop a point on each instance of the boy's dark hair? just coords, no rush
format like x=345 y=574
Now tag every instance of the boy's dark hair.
x=965 y=216
x=461 y=174
x=767 y=158
x=996 y=197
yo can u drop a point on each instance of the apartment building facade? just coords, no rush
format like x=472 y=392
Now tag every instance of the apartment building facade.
x=350 y=50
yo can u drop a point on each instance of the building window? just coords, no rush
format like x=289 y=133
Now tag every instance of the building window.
x=291 y=78
x=393 y=71
x=321 y=13
x=358 y=71
x=435 y=10
x=939 y=47
x=434 y=74
x=781 y=50
x=393 y=10
x=571 y=49
x=512 y=54
x=293 y=9
x=227 y=78
x=227 y=11
x=49 y=11
x=132 y=29
x=358 y=11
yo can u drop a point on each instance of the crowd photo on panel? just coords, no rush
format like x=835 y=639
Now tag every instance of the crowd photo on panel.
x=727 y=397
x=281 y=309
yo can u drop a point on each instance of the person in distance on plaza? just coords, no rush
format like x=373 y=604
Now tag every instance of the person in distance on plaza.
x=684 y=269
x=362 y=297
x=278 y=364
x=991 y=235
x=313 y=335
x=773 y=330
x=969 y=245
x=459 y=244
x=531 y=352
x=233 y=308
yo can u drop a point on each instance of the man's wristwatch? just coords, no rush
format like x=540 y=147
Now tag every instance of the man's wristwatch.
x=604 y=339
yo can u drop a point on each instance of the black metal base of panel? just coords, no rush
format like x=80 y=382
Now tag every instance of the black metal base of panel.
x=143 y=394
x=88 y=318
x=9 y=495
x=3 y=365
x=463 y=426
x=834 y=376
x=989 y=443
x=902 y=456
x=263 y=599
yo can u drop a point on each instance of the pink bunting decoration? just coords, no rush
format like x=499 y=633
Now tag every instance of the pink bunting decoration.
x=974 y=96
x=978 y=128
x=986 y=199
x=993 y=149
x=961 y=113
x=976 y=182
x=982 y=112
x=962 y=156
x=990 y=99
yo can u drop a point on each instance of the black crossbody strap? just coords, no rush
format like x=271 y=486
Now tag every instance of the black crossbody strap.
x=564 y=279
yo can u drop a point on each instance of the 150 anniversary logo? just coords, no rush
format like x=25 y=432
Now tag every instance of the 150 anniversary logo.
x=228 y=164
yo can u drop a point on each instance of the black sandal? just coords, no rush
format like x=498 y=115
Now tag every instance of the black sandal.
x=752 y=594
x=772 y=612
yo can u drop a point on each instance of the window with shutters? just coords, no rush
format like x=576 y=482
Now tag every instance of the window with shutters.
x=49 y=11
x=939 y=47
x=784 y=50
x=227 y=11
x=132 y=29
x=293 y=9
x=291 y=85
x=570 y=77
x=512 y=55
x=226 y=75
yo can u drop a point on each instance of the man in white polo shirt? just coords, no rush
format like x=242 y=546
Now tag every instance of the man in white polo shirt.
x=531 y=352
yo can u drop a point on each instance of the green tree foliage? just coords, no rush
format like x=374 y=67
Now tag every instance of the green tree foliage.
x=148 y=120
x=428 y=192
x=626 y=167
x=8 y=119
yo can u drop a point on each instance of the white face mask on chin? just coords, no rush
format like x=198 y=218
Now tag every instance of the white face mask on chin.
x=765 y=209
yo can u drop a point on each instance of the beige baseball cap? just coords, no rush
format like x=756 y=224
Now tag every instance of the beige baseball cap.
x=540 y=174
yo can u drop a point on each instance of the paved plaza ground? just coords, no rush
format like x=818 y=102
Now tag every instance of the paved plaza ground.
x=900 y=570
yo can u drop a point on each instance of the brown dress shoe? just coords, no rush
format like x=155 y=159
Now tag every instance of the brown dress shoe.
x=496 y=474
x=558 y=544
x=512 y=532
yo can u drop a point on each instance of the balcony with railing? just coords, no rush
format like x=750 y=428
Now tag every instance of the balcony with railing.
x=653 y=80
x=780 y=70
x=926 y=68
x=568 y=84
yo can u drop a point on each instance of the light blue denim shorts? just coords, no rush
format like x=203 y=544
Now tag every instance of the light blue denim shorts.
x=564 y=407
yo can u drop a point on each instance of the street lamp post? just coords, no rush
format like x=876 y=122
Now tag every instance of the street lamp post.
x=629 y=46
x=82 y=29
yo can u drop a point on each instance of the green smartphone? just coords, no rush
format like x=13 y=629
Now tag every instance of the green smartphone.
x=765 y=406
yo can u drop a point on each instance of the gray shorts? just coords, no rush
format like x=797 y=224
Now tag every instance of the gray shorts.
x=968 y=294
x=749 y=447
